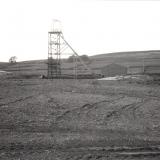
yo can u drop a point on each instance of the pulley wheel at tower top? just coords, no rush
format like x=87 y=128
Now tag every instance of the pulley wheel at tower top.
x=56 y=26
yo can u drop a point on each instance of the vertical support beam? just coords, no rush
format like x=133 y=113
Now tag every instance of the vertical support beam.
x=54 y=55
x=143 y=66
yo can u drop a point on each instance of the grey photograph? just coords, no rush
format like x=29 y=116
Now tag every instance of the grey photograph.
x=79 y=80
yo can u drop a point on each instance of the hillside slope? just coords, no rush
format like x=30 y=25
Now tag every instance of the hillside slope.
x=127 y=58
x=39 y=67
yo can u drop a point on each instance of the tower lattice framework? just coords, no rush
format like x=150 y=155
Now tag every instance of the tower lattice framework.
x=56 y=46
x=54 y=54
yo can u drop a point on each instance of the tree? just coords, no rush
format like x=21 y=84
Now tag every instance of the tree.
x=71 y=59
x=13 y=59
x=84 y=58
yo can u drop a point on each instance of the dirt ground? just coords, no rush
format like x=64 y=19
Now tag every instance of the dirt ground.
x=44 y=119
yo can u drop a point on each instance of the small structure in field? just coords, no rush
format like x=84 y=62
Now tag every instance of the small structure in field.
x=148 y=69
x=113 y=69
x=152 y=69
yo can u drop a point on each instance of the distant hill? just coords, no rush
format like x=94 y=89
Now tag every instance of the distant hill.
x=135 y=58
x=145 y=54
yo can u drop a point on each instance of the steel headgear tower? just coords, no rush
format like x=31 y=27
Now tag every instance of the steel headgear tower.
x=54 y=49
x=56 y=46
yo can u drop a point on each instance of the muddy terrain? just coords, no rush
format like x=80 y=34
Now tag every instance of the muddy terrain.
x=44 y=119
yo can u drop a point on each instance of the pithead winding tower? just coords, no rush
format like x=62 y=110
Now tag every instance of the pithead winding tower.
x=56 y=46
x=54 y=49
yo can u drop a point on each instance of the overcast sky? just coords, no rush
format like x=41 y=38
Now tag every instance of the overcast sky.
x=90 y=26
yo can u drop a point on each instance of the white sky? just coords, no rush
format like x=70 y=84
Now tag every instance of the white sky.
x=90 y=26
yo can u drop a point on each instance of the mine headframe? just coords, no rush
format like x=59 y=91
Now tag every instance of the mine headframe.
x=56 y=47
x=54 y=54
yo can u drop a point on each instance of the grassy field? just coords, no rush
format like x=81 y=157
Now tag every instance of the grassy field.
x=36 y=68
x=78 y=120
x=44 y=119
